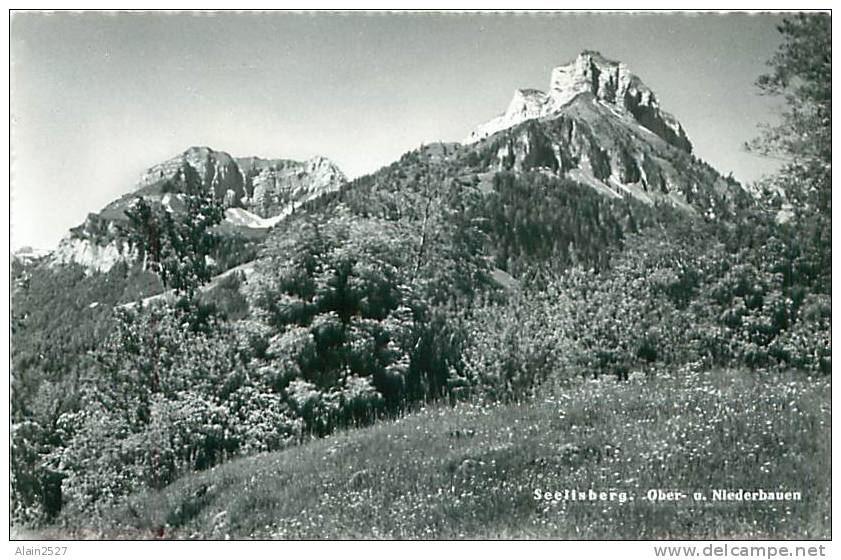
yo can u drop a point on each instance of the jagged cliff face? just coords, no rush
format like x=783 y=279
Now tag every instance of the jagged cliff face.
x=600 y=125
x=610 y=82
x=91 y=254
x=266 y=187
x=218 y=172
x=257 y=193
x=275 y=186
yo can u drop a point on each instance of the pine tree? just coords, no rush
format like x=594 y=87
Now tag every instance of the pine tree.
x=802 y=74
x=177 y=245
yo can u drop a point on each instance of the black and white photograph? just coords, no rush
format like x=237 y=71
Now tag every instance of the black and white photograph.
x=421 y=275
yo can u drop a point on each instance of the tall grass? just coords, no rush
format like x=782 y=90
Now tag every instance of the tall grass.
x=471 y=471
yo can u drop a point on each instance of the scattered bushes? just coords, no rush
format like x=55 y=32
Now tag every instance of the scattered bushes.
x=667 y=300
x=514 y=347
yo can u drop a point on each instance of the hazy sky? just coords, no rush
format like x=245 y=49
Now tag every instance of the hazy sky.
x=96 y=99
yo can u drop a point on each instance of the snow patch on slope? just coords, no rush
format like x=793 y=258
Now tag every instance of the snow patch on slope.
x=244 y=218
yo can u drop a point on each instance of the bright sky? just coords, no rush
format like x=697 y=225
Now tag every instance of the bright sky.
x=97 y=98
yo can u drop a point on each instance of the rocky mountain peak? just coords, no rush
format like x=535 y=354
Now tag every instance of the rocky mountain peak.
x=598 y=124
x=591 y=72
x=610 y=82
x=256 y=192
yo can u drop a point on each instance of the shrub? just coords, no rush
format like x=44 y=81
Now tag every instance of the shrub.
x=262 y=421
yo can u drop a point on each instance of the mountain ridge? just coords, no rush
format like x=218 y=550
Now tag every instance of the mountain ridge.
x=256 y=192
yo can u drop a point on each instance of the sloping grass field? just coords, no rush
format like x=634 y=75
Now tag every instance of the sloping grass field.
x=471 y=471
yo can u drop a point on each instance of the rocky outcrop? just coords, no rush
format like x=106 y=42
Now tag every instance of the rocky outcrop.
x=256 y=192
x=91 y=255
x=526 y=104
x=609 y=82
x=266 y=187
x=276 y=187
x=217 y=171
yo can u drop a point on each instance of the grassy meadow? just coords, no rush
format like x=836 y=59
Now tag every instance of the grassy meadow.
x=470 y=471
